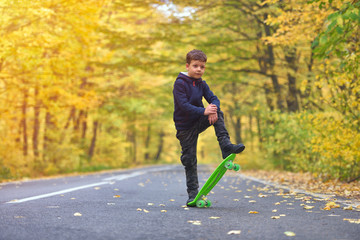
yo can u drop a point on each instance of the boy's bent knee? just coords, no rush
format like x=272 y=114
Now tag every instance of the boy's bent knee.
x=188 y=160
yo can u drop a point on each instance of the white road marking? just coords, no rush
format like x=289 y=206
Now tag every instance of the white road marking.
x=104 y=182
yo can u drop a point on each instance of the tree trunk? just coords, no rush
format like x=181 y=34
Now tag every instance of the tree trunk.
x=237 y=126
x=269 y=102
x=160 y=146
x=271 y=63
x=47 y=138
x=147 y=142
x=259 y=128
x=67 y=124
x=93 y=140
x=292 y=97
x=84 y=126
x=35 y=137
x=24 y=122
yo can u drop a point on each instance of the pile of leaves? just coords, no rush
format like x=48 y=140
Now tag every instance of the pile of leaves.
x=307 y=182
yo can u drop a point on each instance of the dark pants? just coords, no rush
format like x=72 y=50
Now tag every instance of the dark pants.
x=188 y=141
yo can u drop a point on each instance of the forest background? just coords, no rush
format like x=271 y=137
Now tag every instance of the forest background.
x=87 y=85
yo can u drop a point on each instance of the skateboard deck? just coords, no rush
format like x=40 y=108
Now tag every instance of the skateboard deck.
x=227 y=164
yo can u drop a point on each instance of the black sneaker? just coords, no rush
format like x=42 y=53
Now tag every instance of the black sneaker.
x=232 y=148
x=192 y=196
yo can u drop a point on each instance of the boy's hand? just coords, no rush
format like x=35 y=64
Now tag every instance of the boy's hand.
x=213 y=118
x=211 y=109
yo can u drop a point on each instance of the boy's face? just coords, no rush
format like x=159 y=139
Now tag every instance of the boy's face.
x=196 y=68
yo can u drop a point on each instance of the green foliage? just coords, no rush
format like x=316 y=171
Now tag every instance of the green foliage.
x=324 y=144
x=340 y=37
x=285 y=141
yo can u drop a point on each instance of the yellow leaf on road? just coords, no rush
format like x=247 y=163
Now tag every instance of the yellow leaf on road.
x=308 y=207
x=350 y=220
x=289 y=234
x=348 y=208
x=214 y=217
x=331 y=205
x=77 y=214
x=253 y=212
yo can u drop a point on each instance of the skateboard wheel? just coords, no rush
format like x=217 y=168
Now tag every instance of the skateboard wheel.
x=208 y=203
x=200 y=203
x=236 y=167
x=229 y=165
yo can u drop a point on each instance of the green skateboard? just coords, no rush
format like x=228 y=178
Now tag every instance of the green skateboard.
x=227 y=164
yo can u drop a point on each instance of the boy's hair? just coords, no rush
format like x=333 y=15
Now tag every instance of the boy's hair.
x=196 y=55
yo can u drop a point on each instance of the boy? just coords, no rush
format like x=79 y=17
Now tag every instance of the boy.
x=191 y=118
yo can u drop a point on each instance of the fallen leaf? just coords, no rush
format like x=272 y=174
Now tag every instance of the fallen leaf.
x=274 y=210
x=282 y=215
x=172 y=200
x=289 y=234
x=236 y=200
x=253 y=212
x=141 y=185
x=110 y=204
x=117 y=196
x=195 y=222
x=277 y=203
x=275 y=217
x=350 y=220
x=348 y=208
x=96 y=188
x=163 y=211
x=234 y=232
x=308 y=207
x=77 y=214
x=19 y=217
x=139 y=209
x=150 y=204
x=214 y=217
x=145 y=211
x=331 y=205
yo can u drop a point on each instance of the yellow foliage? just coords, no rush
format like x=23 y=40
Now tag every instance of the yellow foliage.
x=299 y=21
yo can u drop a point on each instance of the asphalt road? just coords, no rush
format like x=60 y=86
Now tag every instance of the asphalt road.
x=148 y=203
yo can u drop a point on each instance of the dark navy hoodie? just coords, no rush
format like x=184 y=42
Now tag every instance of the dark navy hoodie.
x=188 y=93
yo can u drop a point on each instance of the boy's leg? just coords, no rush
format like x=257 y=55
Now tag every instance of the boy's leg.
x=188 y=141
x=222 y=135
x=224 y=139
